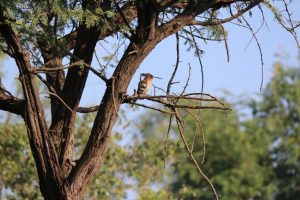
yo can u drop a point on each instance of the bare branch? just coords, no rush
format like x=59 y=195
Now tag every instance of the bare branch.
x=198 y=53
x=260 y=51
x=54 y=94
x=165 y=153
x=180 y=126
x=187 y=81
x=199 y=124
x=75 y=64
x=166 y=99
x=225 y=41
x=222 y=21
x=176 y=65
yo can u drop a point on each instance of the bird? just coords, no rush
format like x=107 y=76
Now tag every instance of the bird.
x=145 y=84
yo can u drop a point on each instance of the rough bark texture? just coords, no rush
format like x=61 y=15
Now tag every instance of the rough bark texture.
x=52 y=147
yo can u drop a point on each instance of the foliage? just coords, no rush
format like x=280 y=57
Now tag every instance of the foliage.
x=278 y=116
x=17 y=168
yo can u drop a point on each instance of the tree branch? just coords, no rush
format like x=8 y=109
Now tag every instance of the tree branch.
x=222 y=21
x=12 y=104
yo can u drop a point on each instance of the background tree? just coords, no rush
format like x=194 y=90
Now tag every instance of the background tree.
x=277 y=117
x=55 y=36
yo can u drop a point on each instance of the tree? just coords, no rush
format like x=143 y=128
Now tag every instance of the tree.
x=277 y=117
x=40 y=36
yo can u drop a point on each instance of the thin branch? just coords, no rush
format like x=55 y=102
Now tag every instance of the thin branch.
x=165 y=153
x=187 y=81
x=198 y=53
x=180 y=126
x=225 y=41
x=292 y=29
x=260 y=51
x=176 y=65
x=151 y=108
x=2 y=89
x=222 y=21
x=184 y=96
x=199 y=124
x=54 y=94
x=75 y=64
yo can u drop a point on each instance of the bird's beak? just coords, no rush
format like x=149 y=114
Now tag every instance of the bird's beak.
x=157 y=77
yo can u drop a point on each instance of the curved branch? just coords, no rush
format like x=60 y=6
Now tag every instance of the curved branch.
x=222 y=21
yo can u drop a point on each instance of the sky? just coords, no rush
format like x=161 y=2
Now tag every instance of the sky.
x=241 y=76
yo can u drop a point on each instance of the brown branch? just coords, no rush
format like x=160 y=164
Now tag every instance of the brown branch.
x=176 y=65
x=199 y=124
x=225 y=41
x=166 y=99
x=75 y=64
x=151 y=108
x=222 y=21
x=260 y=52
x=198 y=54
x=165 y=153
x=180 y=127
x=60 y=99
x=187 y=81
x=12 y=104
x=185 y=96
x=87 y=109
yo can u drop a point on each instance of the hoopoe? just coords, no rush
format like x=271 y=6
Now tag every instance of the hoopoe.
x=145 y=84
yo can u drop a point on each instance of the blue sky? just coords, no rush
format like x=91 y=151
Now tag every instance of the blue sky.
x=241 y=76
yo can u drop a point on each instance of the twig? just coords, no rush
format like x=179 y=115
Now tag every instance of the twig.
x=176 y=65
x=202 y=134
x=75 y=64
x=180 y=126
x=222 y=21
x=187 y=81
x=225 y=41
x=152 y=108
x=166 y=141
x=53 y=94
x=199 y=58
x=260 y=51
